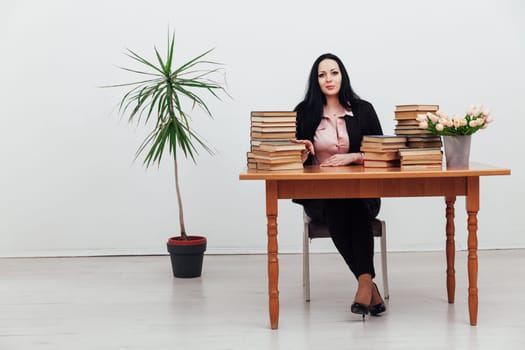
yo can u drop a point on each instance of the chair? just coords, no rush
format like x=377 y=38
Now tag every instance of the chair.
x=314 y=229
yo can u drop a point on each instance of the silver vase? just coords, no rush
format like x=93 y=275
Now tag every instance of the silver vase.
x=457 y=150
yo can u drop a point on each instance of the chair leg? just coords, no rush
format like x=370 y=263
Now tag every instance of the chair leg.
x=384 y=268
x=306 y=264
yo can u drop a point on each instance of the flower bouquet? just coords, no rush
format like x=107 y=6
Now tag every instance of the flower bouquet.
x=476 y=117
x=456 y=131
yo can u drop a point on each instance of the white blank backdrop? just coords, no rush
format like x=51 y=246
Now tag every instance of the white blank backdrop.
x=69 y=185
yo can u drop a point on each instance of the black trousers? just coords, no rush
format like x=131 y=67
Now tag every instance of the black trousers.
x=350 y=224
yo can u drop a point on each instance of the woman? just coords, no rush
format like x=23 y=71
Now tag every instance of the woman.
x=331 y=122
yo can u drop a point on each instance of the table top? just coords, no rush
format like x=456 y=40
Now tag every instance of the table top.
x=360 y=172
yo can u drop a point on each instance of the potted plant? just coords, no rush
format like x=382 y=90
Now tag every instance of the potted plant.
x=157 y=99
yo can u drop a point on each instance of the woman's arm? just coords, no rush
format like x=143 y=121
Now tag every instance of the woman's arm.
x=302 y=132
x=308 y=150
x=344 y=159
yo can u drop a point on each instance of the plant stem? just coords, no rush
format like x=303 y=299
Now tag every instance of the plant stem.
x=179 y=200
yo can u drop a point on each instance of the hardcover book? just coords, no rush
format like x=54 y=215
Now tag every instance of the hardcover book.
x=384 y=138
x=417 y=107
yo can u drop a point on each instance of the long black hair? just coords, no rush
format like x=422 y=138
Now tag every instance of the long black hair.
x=314 y=100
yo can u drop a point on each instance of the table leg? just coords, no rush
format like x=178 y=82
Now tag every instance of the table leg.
x=273 y=261
x=450 y=249
x=472 y=211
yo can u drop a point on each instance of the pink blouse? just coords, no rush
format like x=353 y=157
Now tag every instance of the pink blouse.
x=331 y=137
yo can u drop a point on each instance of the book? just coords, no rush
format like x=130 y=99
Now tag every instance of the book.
x=263 y=153
x=375 y=146
x=419 y=151
x=284 y=166
x=381 y=163
x=384 y=138
x=424 y=138
x=273 y=114
x=407 y=127
x=408 y=132
x=417 y=107
x=257 y=141
x=272 y=124
x=423 y=144
x=420 y=161
x=273 y=129
x=407 y=122
x=273 y=135
x=276 y=160
x=408 y=115
x=422 y=167
x=389 y=155
x=280 y=146
x=272 y=119
x=430 y=156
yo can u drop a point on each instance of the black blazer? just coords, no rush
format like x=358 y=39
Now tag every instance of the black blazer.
x=364 y=122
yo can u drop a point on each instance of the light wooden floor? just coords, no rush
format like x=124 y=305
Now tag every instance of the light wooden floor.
x=135 y=303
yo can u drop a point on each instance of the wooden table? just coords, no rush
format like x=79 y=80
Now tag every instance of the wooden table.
x=360 y=182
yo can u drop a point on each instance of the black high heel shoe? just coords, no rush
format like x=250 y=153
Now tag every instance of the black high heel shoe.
x=360 y=309
x=376 y=309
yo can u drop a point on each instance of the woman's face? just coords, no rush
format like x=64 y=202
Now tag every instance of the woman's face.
x=329 y=77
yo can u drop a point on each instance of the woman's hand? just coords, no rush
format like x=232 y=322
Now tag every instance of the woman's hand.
x=343 y=159
x=309 y=148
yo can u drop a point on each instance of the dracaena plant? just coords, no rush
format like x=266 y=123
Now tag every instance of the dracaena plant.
x=160 y=99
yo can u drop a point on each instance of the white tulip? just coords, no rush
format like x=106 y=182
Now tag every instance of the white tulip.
x=433 y=118
x=421 y=117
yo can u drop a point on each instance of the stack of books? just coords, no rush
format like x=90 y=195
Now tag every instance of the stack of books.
x=421 y=158
x=270 y=148
x=408 y=126
x=382 y=151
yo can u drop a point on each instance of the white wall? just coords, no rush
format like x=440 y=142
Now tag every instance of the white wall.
x=69 y=186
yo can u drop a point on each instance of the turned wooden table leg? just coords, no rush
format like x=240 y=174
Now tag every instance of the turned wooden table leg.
x=450 y=249
x=273 y=261
x=472 y=211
